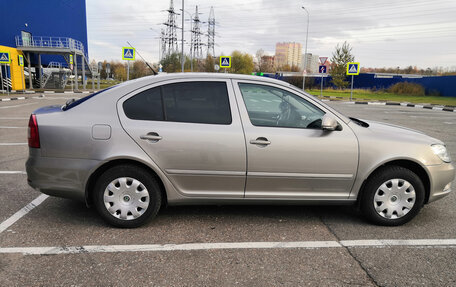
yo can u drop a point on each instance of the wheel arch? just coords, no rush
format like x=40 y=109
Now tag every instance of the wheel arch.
x=415 y=167
x=115 y=162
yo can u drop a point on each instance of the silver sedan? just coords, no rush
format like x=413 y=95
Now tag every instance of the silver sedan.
x=228 y=139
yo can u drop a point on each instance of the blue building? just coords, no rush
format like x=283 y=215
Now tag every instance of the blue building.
x=51 y=32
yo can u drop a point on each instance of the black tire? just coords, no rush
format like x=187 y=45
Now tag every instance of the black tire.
x=152 y=188
x=381 y=176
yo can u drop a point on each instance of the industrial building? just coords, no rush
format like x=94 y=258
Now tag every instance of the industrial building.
x=51 y=37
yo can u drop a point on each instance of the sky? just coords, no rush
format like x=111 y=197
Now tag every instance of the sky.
x=388 y=33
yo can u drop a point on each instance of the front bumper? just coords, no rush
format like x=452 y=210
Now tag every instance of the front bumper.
x=61 y=177
x=441 y=177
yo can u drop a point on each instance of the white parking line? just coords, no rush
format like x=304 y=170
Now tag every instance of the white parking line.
x=451 y=243
x=3 y=127
x=8 y=144
x=13 y=118
x=15 y=106
x=12 y=172
x=18 y=215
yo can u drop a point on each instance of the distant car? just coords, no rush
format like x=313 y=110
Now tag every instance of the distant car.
x=228 y=139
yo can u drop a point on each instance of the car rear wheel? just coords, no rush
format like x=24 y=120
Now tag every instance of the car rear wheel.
x=127 y=196
x=392 y=196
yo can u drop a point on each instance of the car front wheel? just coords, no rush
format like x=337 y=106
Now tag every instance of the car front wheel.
x=392 y=196
x=127 y=196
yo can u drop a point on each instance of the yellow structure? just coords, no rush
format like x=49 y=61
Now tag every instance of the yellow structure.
x=17 y=72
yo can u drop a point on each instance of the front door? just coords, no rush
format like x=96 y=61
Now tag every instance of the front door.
x=289 y=155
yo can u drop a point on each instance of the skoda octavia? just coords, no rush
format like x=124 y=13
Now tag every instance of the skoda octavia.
x=228 y=139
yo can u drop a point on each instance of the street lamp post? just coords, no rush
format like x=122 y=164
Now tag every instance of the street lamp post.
x=305 y=53
x=182 y=48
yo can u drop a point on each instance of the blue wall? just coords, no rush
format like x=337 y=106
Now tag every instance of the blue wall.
x=54 y=18
x=445 y=85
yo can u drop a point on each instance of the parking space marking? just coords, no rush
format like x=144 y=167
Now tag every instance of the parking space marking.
x=3 y=127
x=12 y=172
x=13 y=118
x=376 y=243
x=7 y=144
x=26 y=209
x=16 y=106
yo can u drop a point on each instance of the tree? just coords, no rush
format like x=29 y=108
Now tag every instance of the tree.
x=119 y=71
x=171 y=63
x=209 y=64
x=241 y=63
x=139 y=69
x=259 y=57
x=339 y=61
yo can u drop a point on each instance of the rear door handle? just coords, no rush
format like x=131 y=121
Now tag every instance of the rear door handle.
x=154 y=137
x=260 y=141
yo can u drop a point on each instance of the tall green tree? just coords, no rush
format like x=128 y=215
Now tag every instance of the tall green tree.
x=341 y=56
x=241 y=63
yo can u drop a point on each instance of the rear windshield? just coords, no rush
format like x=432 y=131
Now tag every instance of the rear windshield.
x=75 y=103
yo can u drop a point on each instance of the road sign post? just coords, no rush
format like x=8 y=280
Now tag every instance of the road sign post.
x=352 y=70
x=128 y=54
x=20 y=60
x=225 y=62
x=322 y=70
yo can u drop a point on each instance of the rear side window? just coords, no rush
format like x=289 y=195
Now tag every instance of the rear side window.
x=191 y=102
x=146 y=106
x=197 y=102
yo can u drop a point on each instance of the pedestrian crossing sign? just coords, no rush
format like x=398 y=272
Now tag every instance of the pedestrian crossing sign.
x=128 y=53
x=353 y=69
x=21 y=60
x=5 y=58
x=225 y=62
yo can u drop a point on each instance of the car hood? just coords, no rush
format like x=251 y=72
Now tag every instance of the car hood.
x=394 y=132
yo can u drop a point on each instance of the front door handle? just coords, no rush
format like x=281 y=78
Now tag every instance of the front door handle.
x=153 y=137
x=260 y=141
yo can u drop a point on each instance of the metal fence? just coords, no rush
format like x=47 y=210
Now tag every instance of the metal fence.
x=51 y=42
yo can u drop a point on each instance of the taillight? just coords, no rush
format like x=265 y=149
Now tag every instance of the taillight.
x=33 y=135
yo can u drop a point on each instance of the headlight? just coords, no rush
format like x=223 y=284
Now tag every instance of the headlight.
x=441 y=151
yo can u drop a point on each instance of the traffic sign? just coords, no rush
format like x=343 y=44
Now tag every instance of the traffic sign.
x=71 y=59
x=20 y=60
x=128 y=53
x=216 y=67
x=5 y=58
x=323 y=60
x=225 y=62
x=353 y=69
x=322 y=69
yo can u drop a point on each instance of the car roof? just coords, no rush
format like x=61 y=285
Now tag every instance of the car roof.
x=183 y=76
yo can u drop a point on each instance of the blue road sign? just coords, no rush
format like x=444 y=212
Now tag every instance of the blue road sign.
x=128 y=53
x=5 y=58
x=352 y=69
x=322 y=69
x=225 y=62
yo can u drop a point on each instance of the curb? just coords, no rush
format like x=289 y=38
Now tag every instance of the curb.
x=13 y=99
x=422 y=106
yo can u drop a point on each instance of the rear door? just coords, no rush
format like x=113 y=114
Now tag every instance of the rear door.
x=191 y=129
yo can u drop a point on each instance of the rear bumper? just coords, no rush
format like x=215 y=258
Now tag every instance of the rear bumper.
x=441 y=177
x=61 y=177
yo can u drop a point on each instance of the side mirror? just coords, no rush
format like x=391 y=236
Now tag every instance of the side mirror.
x=328 y=123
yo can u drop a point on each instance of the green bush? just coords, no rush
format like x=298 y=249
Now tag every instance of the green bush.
x=406 y=88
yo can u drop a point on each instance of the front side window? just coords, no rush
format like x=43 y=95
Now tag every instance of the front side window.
x=191 y=102
x=273 y=107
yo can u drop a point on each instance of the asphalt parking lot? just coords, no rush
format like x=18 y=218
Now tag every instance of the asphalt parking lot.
x=61 y=242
